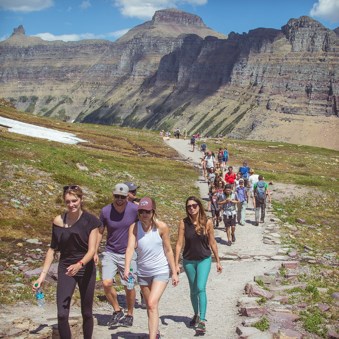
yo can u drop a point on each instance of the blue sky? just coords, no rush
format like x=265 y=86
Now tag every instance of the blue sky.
x=72 y=20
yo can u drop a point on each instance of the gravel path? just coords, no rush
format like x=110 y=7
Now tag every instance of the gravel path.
x=223 y=290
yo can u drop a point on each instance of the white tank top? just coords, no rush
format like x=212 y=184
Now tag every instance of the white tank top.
x=151 y=256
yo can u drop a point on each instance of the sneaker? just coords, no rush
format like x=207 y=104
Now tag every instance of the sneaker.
x=228 y=243
x=158 y=336
x=126 y=321
x=256 y=224
x=201 y=328
x=194 y=321
x=116 y=317
x=233 y=238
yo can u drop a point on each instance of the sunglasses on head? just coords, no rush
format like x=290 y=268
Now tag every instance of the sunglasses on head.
x=133 y=192
x=71 y=187
x=194 y=206
x=144 y=211
x=118 y=196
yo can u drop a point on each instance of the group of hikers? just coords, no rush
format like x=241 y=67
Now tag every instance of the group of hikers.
x=230 y=191
x=137 y=242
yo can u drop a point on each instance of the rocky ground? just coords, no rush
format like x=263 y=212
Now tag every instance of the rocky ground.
x=248 y=291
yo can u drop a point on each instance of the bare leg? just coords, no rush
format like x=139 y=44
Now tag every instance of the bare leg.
x=130 y=298
x=152 y=295
x=111 y=294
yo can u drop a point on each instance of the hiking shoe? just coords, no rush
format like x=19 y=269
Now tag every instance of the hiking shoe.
x=256 y=224
x=262 y=221
x=158 y=336
x=233 y=238
x=201 y=328
x=116 y=317
x=194 y=321
x=126 y=321
x=228 y=243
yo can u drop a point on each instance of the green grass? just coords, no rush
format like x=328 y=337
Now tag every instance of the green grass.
x=263 y=324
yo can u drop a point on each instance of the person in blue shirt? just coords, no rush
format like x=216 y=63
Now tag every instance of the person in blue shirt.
x=244 y=170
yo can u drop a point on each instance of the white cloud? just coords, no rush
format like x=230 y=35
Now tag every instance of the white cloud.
x=85 y=4
x=77 y=37
x=145 y=9
x=25 y=6
x=326 y=9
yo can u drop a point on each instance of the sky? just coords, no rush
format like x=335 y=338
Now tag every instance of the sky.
x=73 y=20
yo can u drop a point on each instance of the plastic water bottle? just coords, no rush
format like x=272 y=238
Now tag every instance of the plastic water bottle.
x=130 y=281
x=39 y=296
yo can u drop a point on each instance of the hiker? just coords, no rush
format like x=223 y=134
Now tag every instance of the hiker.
x=220 y=156
x=236 y=181
x=210 y=176
x=203 y=166
x=155 y=260
x=225 y=158
x=228 y=201
x=132 y=192
x=74 y=235
x=245 y=172
x=192 y=143
x=253 y=179
x=209 y=161
x=230 y=176
x=213 y=206
x=117 y=218
x=177 y=133
x=198 y=234
x=185 y=133
x=261 y=192
x=203 y=148
x=242 y=196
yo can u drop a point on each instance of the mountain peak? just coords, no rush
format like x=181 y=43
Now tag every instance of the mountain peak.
x=19 y=31
x=175 y=16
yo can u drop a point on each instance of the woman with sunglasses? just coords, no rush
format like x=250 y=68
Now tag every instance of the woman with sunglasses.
x=74 y=235
x=150 y=238
x=198 y=234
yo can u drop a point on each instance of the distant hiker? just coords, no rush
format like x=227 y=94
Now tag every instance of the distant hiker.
x=236 y=181
x=184 y=133
x=213 y=206
x=242 y=196
x=177 y=133
x=230 y=176
x=261 y=192
x=225 y=158
x=220 y=156
x=197 y=233
x=203 y=148
x=155 y=260
x=117 y=217
x=193 y=143
x=210 y=161
x=210 y=176
x=245 y=172
x=74 y=235
x=132 y=192
x=228 y=201
x=253 y=179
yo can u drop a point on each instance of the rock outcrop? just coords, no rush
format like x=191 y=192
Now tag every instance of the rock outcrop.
x=173 y=71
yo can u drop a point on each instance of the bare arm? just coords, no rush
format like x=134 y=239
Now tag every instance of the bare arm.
x=213 y=244
x=132 y=240
x=179 y=245
x=47 y=264
x=99 y=239
x=166 y=242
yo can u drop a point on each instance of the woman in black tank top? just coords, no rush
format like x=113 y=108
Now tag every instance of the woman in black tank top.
x=198 y=234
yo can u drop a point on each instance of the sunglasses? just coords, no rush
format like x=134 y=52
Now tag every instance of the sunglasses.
x=133 y=192
x=194 y=206
x=71 y=187
x=144 y=211
x=117 y=196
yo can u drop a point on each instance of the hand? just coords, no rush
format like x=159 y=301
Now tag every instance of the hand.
x=96 y=259
x=219 y=268
x=72 y=270
x=126 y=273
x=175 y=279
x=36 y=284
x=177 y=269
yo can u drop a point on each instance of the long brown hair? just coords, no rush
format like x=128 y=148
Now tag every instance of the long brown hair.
x=200 y=227
x=74 y=190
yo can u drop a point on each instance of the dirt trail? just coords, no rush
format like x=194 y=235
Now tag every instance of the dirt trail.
x=223 y=290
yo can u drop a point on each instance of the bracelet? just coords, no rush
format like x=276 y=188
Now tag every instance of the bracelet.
x=81 y=263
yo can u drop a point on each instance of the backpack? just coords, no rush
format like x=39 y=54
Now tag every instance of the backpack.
x=260 y=191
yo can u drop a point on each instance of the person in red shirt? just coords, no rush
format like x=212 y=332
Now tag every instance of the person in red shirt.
x=230 y=176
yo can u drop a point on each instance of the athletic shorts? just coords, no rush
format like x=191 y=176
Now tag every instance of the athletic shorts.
x=115 y=262
x=146 y=281
x=229 y=221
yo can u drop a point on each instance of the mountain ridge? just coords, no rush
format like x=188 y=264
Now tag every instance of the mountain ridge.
x=158 y=77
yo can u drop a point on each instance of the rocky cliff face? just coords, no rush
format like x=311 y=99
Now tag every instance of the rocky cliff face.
x=173 y=71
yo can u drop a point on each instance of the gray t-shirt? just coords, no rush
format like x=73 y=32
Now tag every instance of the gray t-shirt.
x=118 y=225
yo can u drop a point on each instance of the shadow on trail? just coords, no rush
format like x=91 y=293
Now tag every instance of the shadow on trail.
x=127 y=335
x=176 y=319
x=220 y=241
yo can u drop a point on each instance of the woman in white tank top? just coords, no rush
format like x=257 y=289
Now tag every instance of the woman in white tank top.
x=150 y=238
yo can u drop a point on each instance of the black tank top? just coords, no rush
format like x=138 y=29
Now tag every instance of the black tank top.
x=196 y=246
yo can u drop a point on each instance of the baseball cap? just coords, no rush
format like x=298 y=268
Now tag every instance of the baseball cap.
x=131 y=186
x=241 y=180
x=145 y=204
x=121 y=189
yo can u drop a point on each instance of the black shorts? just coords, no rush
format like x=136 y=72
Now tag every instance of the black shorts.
x=229 y=221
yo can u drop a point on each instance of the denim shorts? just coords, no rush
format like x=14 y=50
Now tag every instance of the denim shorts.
x=146 y=281
x=114 y=262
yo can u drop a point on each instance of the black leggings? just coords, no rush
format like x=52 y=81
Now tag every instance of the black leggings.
x=65 y=290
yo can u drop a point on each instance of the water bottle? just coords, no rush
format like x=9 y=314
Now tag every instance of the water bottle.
x=130 y=281
x=39 y=296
